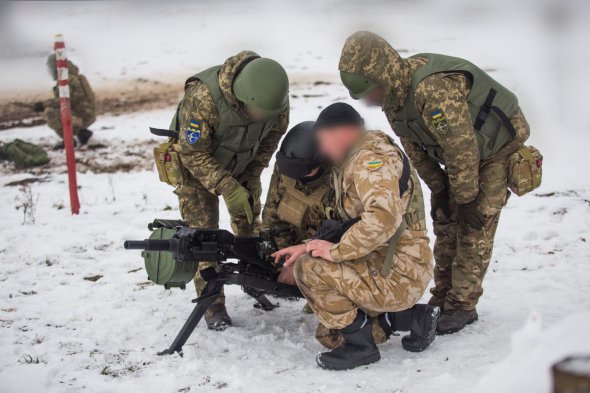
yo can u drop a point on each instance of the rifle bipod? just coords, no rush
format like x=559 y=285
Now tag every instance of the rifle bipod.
x=252 y=286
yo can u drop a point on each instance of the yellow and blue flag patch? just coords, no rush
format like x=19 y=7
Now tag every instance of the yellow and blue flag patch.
x=372 y=165
x=440 y=122
x=193 y=132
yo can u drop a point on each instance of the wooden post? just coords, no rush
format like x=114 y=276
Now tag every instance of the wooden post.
x=66 y=119
x=572 y=375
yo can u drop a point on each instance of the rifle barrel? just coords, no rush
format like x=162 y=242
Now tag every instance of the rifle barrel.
x=148 y=245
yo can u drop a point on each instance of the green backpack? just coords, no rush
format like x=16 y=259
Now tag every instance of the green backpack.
x=23 y=154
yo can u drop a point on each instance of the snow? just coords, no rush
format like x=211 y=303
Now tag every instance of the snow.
x=62 y=333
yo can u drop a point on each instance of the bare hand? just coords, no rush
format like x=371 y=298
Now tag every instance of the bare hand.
x=287 y=277
x=320 y=249
x=290 y=253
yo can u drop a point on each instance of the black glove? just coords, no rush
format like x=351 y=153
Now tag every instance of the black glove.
x=333 y=230
x=38 y=107
x=469 y=215
x=440 y=200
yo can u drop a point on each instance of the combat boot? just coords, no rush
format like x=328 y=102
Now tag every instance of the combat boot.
x=454 y=320
x=357 y=349
x=61 y=145
x=421 y=321
x=84 y=136
x=216 y=316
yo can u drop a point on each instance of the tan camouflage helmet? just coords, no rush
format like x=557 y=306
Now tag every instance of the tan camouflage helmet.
x=370 y=57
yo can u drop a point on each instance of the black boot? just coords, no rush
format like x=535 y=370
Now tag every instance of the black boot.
x=358 y=348
x=216 y=316
x=421 y=321
x=61 y=145
x=84 y=136
x=454 y=320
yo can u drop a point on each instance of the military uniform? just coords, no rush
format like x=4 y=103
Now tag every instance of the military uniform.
x=367 y=186
x=458 y=126
x=219 y=147
x=82 y=102
x=296 y=208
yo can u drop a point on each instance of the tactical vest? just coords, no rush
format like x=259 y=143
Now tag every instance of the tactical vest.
x=295 y=205
x=236 y=140
x=415 y=217
x=490 y=105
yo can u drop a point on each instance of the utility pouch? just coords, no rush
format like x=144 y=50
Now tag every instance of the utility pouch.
x=525 y=170
x=292 y=210
x=168 y=163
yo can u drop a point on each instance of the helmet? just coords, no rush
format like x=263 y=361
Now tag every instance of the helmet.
x=51 y=66
x=264 y=85
x=358 y=86
x=298 y=155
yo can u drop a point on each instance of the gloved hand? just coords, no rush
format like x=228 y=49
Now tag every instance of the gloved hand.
x=38 y=107
x=468 y=215
x=254 y=186
x=238 y=202
x=440 y=200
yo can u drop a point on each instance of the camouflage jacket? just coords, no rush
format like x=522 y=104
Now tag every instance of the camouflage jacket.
x=273 y=217
x=82 y=98
x=370 y=190
x=199 y=105
x=370 y=55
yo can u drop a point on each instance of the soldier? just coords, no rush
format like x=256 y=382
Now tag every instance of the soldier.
x=230 y=122
x=382 y=264
x=459 y=126
x=82 y=102
x=299 y=192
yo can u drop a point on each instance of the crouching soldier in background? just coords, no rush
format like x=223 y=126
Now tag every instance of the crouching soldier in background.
x=460 y=128
x=382 y=264
x=229 y=124
x=82 y=102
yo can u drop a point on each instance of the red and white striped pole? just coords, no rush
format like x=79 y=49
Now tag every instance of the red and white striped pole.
x=66 y=119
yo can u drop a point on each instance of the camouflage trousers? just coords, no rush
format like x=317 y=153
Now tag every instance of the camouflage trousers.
x=79 y=121
x=335 y=291
x=200 y=209
x=462 y=258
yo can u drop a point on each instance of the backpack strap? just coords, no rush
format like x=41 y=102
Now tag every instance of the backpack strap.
x=404 y=181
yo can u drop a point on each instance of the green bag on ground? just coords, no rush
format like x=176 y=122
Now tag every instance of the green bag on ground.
x=23 y=154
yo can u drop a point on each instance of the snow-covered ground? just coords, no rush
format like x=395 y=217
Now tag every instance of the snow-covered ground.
x=62 y=332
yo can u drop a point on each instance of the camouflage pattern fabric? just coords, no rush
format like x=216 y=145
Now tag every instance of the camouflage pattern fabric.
x=198 y=197
x=82 y=101
x=461 y=258
x=334 y=290
x=370 y=55
x=291 y=234
x=197 y=158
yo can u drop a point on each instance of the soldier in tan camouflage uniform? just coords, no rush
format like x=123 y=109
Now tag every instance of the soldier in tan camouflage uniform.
x=458 y=126
x=225 y=142
x=382 y=264
x=82 y=102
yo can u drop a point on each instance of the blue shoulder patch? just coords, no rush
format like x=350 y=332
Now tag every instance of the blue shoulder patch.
x=193 y=132
x=192 y=137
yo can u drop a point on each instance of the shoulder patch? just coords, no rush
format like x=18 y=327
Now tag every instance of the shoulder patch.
x=440 y=122
x=372 y=165
x=193 y=132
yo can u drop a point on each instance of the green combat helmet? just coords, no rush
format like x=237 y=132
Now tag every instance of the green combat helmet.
x=51 y=66
x=358 y=86
x=263 y=84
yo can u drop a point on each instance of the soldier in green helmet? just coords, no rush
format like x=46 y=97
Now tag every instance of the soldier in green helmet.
x=82 y=102
x=459 y=127
x=229 y=124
